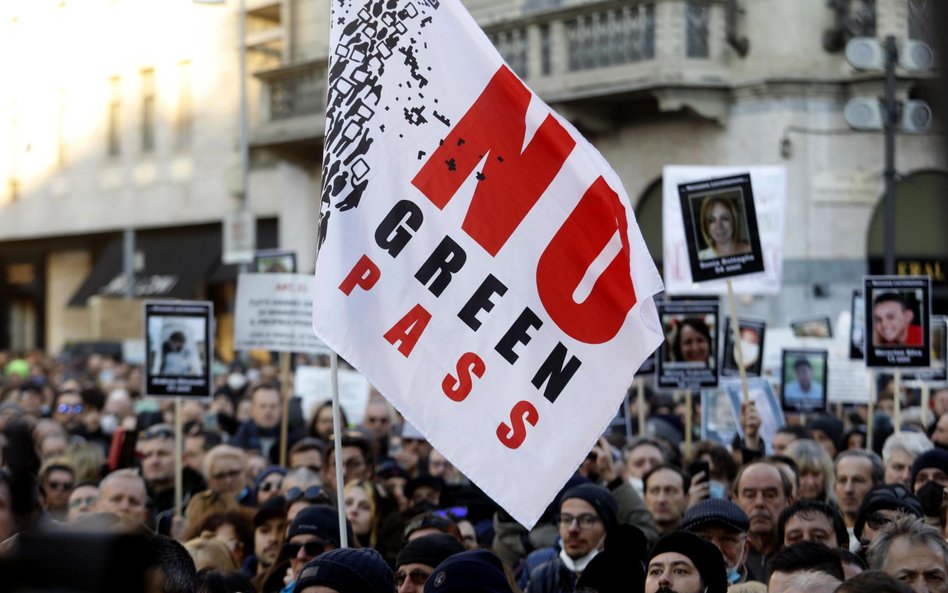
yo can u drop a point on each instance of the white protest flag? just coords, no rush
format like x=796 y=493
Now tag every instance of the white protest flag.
x=479 y=262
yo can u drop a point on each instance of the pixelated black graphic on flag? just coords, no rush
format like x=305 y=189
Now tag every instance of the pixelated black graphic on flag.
x=376 y=37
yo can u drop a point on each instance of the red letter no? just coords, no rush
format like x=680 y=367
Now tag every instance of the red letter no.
x=564 y=263
x=513 y=177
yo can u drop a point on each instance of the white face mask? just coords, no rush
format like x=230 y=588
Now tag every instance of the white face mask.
x=108 y=423
x=236 y=381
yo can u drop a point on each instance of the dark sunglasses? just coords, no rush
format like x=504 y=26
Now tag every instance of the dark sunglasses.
x=268 y=486
x=157 y=432
x=313 y=548
x=311 y=494
x=877 y=520
x=453 y=513
x=418 y=577
x=67 y=409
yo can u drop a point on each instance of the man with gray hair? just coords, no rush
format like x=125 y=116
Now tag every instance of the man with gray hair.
x=857 y=471
x=898 y=454
x=808 y=581
x=912 y=552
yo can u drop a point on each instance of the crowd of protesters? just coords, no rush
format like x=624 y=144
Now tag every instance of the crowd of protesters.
x=88 y=498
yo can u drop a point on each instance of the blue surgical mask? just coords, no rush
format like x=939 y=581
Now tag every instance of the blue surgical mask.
x=733 y=575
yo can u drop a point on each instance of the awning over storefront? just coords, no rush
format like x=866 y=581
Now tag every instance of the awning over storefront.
x=169 y=264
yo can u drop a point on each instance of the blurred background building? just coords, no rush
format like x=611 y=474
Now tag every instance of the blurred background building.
x=123 y=115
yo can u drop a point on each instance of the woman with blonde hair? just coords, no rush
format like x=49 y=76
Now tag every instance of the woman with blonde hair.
x=362 y=511
x=720 y=228
x=210 y=552
x=815 y=469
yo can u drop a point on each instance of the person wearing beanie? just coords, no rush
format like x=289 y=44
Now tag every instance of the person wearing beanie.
x=722 y=523
x=828 y=432
x=473 y=571
x=587 y=514
x=347 y=570
x=269 y=524
x=882 y=505
x=930 y=466
x=314 y=530
x=684 y=563
x=418 y=559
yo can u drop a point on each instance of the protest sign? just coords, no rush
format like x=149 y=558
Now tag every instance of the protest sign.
x=275 y=312
x=761 y=392
x=688 y=357
x=479 y=261
x=857 y=328
x=752 y=346
x=812 y=326
x=769 y=197
x=803 y=380
x=721 y=227
x=274 y=261
x=898 y=321
x=849 y=381
x=179 y=337
x=313 y=385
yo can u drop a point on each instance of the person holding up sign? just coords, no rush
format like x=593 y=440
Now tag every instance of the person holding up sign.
x=719 y=229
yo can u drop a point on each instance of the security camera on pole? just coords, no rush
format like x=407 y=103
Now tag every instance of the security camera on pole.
x=871 y=113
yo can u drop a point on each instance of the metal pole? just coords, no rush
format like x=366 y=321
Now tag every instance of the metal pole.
x=337 y=430
x=890 y=109
x=128 y=262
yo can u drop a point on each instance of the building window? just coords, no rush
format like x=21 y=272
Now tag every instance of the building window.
x=697 y=17
x=921 y=22
x=115 y=117
x=61 y=129
x=513 y=47
x=611 y=37
x=184 y=117
x=148 y=110
x=546 y=51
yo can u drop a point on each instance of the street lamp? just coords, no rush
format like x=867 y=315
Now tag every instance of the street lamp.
x=865 y=113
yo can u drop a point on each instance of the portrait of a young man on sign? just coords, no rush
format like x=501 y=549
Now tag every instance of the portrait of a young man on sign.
x=803 y=380
x=897 y=319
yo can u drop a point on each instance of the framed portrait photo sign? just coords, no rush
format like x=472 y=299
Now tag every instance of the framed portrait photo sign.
x=179 y=348
x=898 y=321
x=804 y=380
x=721 y=227
x=688 y=358
x=752 y=347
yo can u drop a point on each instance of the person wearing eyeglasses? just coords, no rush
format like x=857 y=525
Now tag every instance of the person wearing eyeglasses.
x=315 y=530
x=722 y=523
x=587 y=512
x=418 y=559
x=67 y=410
x=56 y=480
x=82 y=501
x=884 y=504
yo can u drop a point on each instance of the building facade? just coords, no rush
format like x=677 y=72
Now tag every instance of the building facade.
x=140 y=130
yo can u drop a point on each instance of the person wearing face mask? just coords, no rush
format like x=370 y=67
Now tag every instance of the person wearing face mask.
x=725 y=525
x=682 y=562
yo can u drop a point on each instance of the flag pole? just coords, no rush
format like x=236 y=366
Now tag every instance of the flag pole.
x=337 y=436
x=640 y=405
x=285 y=394
x=926 y=401
x=688 y=423
x=872 y=399
x=897 y=392
x=627 y=416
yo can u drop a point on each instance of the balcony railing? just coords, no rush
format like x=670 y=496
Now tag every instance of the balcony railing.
x=566 y=50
